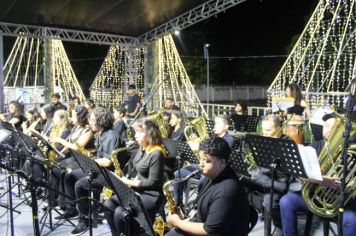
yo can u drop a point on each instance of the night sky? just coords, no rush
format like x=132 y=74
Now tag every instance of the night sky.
x=254 y=28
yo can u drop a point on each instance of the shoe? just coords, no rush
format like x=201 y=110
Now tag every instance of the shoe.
x=277 y=231
x=80 y=229
x=67 y=216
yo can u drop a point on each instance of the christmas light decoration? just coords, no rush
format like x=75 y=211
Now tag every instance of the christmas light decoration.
x=122 y=66
x=24 y=71
x=323 y=60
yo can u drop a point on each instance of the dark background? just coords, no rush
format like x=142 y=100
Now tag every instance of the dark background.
x=248 y=44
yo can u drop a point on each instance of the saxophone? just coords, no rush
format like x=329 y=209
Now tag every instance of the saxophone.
x=118 y=171
x=173 y=208
x=84 y=151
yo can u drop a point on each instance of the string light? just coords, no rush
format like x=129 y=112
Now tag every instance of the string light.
x=323 y=60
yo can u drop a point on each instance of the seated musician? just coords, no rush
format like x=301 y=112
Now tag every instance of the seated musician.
x=47 y=112
x=170 y=105
x=176 y=125
x=14 y=116
x=107 y=140
x=240 y=108
x=32 y=121
x=119 y=124
x=146 y=177
x=221 y=127
x=292 y=202
x=300 y=105
x=80 y=136
x=56 y=102
x=271 y=127
x=90 y=105
x=222 y=205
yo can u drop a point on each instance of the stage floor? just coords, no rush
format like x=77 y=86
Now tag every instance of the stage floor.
x=23 y=221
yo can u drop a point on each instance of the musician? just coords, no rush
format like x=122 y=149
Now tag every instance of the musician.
x=220 y=130
x=271 y=127
x=221 y=126
x=32 y=121
x=107 y=140
x=169 y=105
x=240 y=108
x=80 y=135
x=56 y=102
x=300 y=105
x=60 y=130
x=73 y=102
x=176 y=125
x=119 y=124
x=292 y=202
x=133 y=102
x=14 y=116
x=90 y=105
x=47 y=112
x=222 y=205
x=146 y=177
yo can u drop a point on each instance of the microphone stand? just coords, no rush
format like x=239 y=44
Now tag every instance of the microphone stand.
x=348 y=128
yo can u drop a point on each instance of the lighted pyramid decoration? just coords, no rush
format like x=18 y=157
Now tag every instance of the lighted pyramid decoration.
x=64 y=80
x=173 y=80
x=323 y=60
x=25 y=72
x=122 y=66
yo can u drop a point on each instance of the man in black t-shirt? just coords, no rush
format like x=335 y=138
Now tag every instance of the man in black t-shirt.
x=133 y=102
x=222 y=205
x=56 y=102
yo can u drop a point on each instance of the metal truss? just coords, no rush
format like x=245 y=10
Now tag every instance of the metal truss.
x=189 y=18
x=11 y=29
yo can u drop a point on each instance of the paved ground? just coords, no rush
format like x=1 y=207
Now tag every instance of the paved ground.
x=23 y=222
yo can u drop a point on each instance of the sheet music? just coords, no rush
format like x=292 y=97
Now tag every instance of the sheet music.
x=4 y=134
x=310 y=162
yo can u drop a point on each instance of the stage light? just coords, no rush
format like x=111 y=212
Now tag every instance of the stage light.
x=176 y=32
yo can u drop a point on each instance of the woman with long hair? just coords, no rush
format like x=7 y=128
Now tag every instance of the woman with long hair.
x=300 y=105
x=145 y=176
x=33 y=119
x=14 y=116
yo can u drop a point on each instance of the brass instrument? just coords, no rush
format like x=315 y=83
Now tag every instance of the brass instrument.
x=162 y=123
x=319 y=199
x=196 y=131
x=118 y=171
x=84 y=151
x=159 y=225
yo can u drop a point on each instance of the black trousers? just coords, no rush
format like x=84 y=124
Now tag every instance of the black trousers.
x=82 y=195
x=113 y=211
x=69 y=180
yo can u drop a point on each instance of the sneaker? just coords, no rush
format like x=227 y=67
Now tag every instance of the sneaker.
x=67 y=216
x=80 y=229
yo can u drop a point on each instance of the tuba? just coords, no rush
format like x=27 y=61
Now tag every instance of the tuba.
x=319 y=199
x=196 y=131
x=162 y=123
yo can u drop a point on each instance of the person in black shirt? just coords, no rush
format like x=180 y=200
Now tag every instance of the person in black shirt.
x=292 y=202
x=222 y=205
x=145 y=176
x=56 y=102
x=300 y=105
x=176 y=125
x=133 y=102
x=14 y=116
x=119 y=124
x=240 y=108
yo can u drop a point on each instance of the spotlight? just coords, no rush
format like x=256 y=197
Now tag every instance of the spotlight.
x=206 y=45
x=176 y=32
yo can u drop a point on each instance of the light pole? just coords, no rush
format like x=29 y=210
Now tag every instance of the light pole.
x=206 y=56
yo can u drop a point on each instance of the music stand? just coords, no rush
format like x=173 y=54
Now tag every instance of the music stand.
x=130 y=201
x=94 y=172
x=209 y=126
x=47 y=143
x=187 y=153
x=273 y=152
x=238 y=164
x=245 y=123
